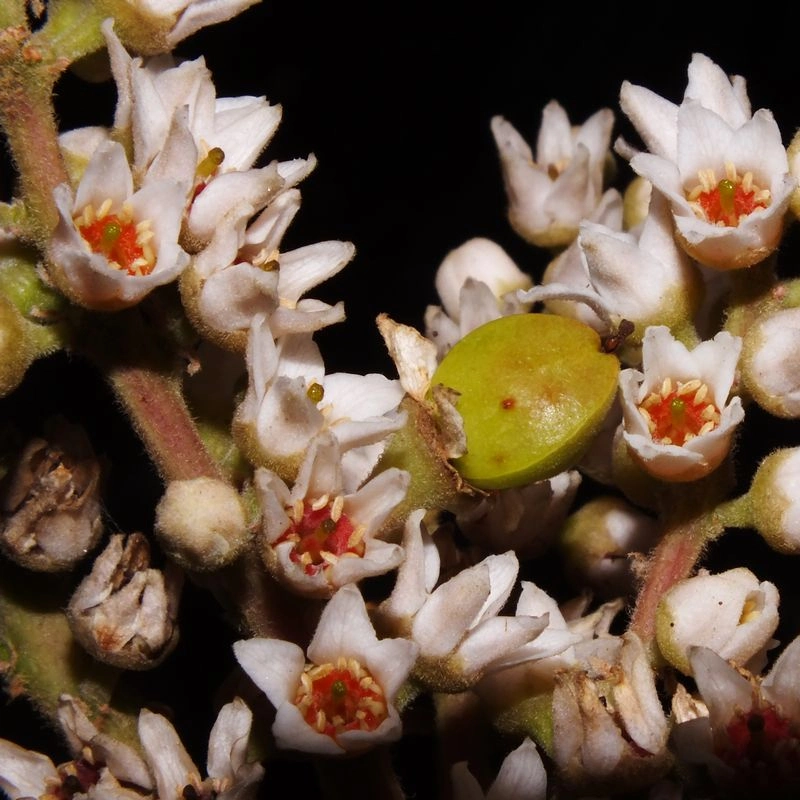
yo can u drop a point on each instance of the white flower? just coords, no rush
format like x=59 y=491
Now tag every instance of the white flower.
x=724 y=171
x=316 y=538
x=744 y=729
x=677 y=416
x=732 y=613
x=112 y=246
x=242 y=272
x=455 y=624
x=568 y=268
x=230 y=775
x=522 y=774
x=102 y=768
x=643 y=277
x=290 y=399
x=343 y=700
x=550 y=194
x=182 y=131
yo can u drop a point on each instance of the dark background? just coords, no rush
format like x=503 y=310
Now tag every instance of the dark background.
x=395 y=101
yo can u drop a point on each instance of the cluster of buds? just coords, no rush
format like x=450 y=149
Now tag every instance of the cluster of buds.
x=371 y=538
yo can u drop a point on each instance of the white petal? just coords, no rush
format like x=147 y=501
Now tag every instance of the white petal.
x=273 y=665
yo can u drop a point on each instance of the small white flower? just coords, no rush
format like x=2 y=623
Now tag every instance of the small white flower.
x=343 y=701
x=455 y=624
x=182 y=131
x=102 y=767
x=112 y=246
x=522 y=774
x=724 y=170
x=315 y=537
x=290 y=399
x=677 y=415
x=744 y=728
x=230 y=775
x=568 y=268
x=242 y=272
x=550 y=194
x=643 y=276
x=732 y=613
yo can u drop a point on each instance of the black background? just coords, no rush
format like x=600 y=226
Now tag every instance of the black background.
x=395 y=101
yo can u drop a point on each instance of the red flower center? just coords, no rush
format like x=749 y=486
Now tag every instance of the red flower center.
x=334 y=698
x=676 y=415
x=725 y=202
x=322 y=534
x=125 y=243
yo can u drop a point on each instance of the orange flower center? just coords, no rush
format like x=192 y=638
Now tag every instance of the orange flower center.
x=726 y=201
x=322 y=534
x=334 y=698
x=125 y=243
x=674 y=415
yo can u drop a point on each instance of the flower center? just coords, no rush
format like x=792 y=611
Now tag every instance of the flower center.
x=676 y=415
x=334 y=698
x=726 y=201
x=764 y=751
x=125 y=243
x=322 y=535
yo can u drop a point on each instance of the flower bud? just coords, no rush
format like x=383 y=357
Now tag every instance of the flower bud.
x=482 y=260
x=50 y=501
x=731 y=613
x=774 y=500
x=124 y=613
x=201 y=523
x=770 y=363
x=598 y=541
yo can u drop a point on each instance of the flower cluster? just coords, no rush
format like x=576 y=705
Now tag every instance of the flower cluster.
x=509 y=537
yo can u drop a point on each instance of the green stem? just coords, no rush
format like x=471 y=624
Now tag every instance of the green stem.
x=72 y=30
x=40 y=658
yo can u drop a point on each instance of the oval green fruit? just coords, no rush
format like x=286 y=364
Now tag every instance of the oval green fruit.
x=533 y=392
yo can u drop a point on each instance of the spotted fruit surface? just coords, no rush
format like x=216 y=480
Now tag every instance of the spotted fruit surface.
x=534 y=390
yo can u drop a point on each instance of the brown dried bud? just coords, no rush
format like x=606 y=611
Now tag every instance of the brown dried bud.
x=50 y=501
x=124 y=612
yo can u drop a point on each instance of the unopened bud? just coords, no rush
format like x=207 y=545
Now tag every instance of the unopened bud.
x=775 y=500
x=770 y=363
x=51 y=501
x=732 y=613
x=598 y=541
x=124 y=613
x=201 y=523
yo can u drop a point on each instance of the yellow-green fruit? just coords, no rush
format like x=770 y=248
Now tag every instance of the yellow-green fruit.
x=534 y=390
